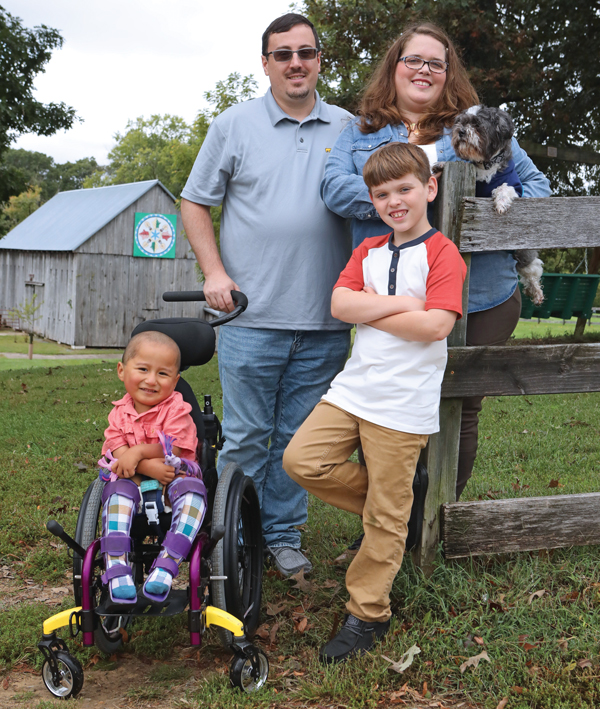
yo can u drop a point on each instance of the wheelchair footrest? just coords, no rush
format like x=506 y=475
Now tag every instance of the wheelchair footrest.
x=175 y=603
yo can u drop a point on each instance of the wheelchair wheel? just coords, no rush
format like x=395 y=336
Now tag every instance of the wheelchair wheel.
x=71 y=676
x=244 y=675
x=239 y=555
x=107 y=635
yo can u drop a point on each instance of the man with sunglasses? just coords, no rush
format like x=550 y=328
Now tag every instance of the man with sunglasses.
x=264 y=160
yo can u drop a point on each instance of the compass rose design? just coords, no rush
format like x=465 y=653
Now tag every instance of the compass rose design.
x=154 y=235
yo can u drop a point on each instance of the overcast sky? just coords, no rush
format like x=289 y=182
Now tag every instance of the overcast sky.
x=127 y=58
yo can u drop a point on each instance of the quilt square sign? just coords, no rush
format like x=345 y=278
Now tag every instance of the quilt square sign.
x=154 y=235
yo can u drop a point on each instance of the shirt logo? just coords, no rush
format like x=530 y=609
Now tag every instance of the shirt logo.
x=327 y=150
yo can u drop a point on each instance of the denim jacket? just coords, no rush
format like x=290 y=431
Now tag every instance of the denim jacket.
x=493 y=273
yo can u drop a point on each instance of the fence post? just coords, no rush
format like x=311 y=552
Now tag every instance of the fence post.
x=457 y=182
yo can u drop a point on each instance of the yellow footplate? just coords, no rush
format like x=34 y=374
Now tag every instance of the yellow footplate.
x=216 y=616
x=59 y=620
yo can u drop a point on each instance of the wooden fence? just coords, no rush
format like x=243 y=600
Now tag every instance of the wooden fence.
x=468 y=528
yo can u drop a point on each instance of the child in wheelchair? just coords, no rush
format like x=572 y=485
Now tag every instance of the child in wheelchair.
x=142 y=426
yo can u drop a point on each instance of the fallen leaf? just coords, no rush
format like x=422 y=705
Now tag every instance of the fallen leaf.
x=5 y=682
x=275 y=608
x=517 y=690
x=478 y=640
x=555 y=483
x=405 y=661
x=502 y=703
x=474 y=661
x=81 y=466
x=348 y=555
x=584 y=663
x=301 y=582
x=563 y=644
x=273 y=633
x=536 y=594
x=330 y=583
x=301 y=624
x=263 y=632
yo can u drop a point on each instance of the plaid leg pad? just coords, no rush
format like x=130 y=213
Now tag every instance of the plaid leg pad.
x=117 y=515
x=187 y=522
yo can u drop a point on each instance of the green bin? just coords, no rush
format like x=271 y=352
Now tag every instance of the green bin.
x=566 y=295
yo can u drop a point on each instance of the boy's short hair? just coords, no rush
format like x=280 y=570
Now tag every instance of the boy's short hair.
x=395 y=160
x=155 y=336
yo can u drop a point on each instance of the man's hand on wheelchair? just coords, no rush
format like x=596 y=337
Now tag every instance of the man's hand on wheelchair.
x=217 y=291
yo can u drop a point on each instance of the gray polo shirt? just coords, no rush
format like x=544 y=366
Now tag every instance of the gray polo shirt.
x=279 y=242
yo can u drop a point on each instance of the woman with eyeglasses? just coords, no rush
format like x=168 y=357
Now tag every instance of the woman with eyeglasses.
x=414 y=96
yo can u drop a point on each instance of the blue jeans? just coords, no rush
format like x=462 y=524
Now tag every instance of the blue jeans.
x=272 y=380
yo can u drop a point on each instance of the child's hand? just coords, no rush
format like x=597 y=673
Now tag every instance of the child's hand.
x=156 y=468
x=368 y=289
x=126 y=464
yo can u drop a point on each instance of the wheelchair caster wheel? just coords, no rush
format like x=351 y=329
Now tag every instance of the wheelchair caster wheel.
x=70 y=676
x=249 y=673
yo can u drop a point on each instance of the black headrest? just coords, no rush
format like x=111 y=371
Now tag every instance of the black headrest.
x=195 y=338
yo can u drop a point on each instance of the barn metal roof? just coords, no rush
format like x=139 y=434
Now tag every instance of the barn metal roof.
x=69 y=219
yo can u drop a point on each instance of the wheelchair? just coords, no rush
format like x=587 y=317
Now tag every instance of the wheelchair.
x=225 y=561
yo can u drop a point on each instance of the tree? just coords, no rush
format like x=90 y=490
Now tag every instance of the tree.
x=529 y=55
x=35 y=169
x=35 y=178
x=152 y=148
x=27 y=313
x=19 y=208
x=23 y=55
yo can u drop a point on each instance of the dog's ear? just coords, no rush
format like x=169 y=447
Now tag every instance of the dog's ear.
x=505 y=124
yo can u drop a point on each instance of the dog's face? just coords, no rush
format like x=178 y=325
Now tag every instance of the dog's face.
x=480 y=132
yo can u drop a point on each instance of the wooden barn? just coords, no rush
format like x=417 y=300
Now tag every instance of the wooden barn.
x=99 y=260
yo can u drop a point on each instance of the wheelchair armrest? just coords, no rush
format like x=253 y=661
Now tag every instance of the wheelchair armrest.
x=54 y=528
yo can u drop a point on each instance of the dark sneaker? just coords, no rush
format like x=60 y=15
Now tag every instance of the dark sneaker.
x=355 y=546
x=289 y=560
x=355 y=638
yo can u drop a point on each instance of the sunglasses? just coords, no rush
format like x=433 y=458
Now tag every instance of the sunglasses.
x=285 y=55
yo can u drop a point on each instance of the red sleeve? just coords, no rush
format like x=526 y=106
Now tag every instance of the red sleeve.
x=353 y=275
x=446 y=277
x=114 y=437
x=178 y=423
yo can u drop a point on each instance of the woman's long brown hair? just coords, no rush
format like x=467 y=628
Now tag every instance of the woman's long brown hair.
x=379 y=105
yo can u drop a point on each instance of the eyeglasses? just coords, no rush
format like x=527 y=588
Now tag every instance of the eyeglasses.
x=285 y=55
x=436 y=66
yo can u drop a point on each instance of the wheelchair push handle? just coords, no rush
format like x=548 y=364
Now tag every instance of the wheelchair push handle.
x=240 y=300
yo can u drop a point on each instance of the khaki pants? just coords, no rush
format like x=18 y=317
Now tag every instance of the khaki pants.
x=380 y=492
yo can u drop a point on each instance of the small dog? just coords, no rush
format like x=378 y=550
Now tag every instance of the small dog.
x=482 y=136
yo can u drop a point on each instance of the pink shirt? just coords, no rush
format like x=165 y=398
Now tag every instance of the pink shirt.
x=172 y=416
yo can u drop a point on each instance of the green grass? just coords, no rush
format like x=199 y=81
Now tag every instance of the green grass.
x=544 y=651
x=552 y=328
x=19 y=343
x=26 y=364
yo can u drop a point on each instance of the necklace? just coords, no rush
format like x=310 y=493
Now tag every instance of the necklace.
x=412 y=128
